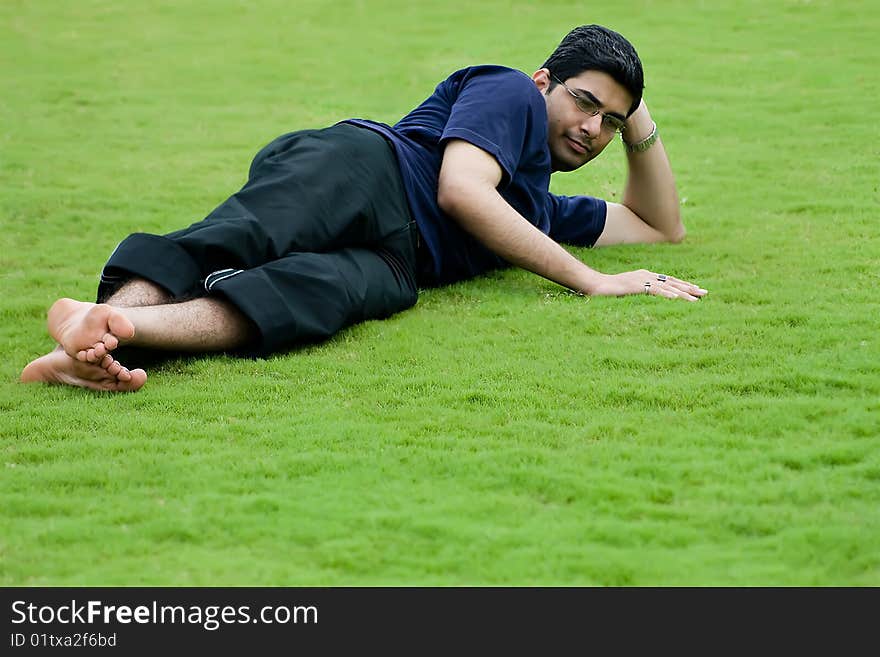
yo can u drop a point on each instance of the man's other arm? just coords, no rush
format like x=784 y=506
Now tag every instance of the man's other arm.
x=467 y=193
x=650 y=209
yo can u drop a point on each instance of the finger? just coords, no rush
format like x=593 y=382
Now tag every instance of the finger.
x=690 y=288
x=672 y=292
x=655 y=288
x=667 y=292
x=683 y=294
x=679 y=291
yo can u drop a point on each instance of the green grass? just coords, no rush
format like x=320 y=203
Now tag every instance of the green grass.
x=502 y=431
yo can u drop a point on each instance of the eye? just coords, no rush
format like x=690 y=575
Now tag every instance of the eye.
x=587 y=106
x=612 y=122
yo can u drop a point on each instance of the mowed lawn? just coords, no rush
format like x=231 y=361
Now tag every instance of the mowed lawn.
x=503 y=431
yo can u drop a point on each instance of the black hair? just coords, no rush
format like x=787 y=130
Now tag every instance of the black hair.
x=596 y=48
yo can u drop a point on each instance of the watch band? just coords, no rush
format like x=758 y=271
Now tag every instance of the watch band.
x=641 y=146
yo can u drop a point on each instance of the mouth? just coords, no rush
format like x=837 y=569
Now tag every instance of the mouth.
x=578 y=146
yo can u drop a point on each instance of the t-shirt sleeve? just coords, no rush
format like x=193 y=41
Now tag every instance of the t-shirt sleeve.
x=497 y=111
x=577 y=220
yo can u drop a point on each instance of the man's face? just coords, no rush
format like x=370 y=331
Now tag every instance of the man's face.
x=575 y=137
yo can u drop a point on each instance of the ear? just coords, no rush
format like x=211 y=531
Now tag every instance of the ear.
x=542 y=79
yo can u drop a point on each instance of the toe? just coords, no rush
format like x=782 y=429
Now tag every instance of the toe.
x=138 y=379
x=110 y=341
x=120 y=325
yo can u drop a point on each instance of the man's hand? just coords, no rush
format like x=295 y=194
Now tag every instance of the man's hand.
x=467 y=193
x=650 y=209
x=643 y=281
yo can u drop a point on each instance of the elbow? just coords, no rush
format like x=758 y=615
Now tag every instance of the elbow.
x=677 y=236
x=451 y=194
x=445 y=198
x=677 y=232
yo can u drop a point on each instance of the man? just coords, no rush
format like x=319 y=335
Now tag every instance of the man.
x=342 y=225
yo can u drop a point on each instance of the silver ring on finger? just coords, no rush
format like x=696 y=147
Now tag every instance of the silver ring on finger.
x=647 y=287
x=661 y=278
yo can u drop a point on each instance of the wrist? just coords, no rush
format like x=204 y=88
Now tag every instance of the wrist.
x=642 y=144
x=638 y=126
x=591 y=283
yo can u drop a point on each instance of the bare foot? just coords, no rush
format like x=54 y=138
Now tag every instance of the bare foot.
x=58 y=367
x=87 y=331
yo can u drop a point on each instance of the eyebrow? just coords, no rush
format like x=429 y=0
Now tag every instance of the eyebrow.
x=600 y=104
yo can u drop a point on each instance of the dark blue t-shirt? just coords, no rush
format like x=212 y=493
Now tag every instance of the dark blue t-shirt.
x=501 y=111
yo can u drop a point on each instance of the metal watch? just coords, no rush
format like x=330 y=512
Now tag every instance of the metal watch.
x=641 y=146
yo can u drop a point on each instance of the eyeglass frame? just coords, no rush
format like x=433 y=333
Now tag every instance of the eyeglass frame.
x=578 y=99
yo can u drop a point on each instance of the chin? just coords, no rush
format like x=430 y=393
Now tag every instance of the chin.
x=568 y=164
x=569 y=160
x=564 y=166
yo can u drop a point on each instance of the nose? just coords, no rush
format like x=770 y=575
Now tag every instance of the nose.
x=591 y=126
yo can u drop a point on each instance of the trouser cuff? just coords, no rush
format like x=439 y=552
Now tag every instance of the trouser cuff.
x=155 y=258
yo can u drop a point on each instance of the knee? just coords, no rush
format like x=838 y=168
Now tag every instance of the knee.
x=410 y=297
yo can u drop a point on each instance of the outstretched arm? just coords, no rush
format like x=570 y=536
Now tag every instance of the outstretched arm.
x=467 y=193
x=650 y=208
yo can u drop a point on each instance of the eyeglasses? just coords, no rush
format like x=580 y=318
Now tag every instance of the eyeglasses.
x=589 y=106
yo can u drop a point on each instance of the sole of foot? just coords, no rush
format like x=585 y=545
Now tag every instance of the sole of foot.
x=59 y=368
x=88 y=331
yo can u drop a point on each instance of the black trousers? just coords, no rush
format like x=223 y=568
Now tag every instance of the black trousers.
x=320 y=237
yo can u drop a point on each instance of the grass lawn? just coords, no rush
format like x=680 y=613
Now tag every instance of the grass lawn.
x=503 y=431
